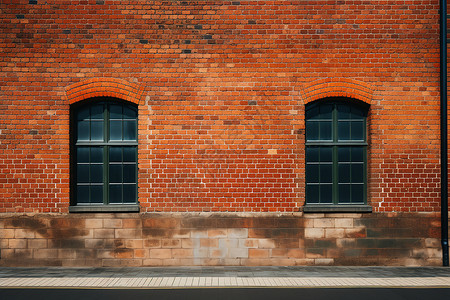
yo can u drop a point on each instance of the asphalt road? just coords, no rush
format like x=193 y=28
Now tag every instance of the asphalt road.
x=228 y=293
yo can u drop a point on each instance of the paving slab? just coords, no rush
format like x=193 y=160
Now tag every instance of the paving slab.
x=208 y=277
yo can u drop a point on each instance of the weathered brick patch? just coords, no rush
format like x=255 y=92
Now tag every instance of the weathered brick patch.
x=220 y=239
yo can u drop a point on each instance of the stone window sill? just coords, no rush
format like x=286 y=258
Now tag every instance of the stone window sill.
x=329 y=208
x=104 y=208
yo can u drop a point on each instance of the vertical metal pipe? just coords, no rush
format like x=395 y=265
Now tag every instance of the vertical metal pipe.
x=444 y=137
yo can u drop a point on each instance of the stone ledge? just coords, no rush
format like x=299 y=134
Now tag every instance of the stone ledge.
x=103 y=208
x=326 y=208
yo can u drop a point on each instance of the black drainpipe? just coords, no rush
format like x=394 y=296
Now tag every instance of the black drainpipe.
x=444 y=137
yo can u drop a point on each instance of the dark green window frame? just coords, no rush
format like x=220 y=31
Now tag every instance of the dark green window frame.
x=104 y=168
x=336 y=157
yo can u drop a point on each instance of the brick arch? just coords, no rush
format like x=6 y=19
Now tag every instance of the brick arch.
x=104 y=87
x=337 y=87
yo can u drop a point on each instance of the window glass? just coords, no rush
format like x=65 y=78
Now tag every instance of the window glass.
x=335 y=153
x=105 y=153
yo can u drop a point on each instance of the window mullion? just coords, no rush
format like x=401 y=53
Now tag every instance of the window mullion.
x=334 y=153
x=106 y=156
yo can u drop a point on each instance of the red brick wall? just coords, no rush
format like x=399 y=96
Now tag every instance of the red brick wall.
x=221 y=87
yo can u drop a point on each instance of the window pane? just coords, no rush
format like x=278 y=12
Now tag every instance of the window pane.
x=312 y=173
x=312 y=193
x=326 y=173
x=343 y=130
x=82 y=155
x=115 y=111
x=83 y=113
x=129 y=173
x=115 y=154
x=357 y=154
x=115 y=193
x=326 y=111
x=115 y=130
x=115 y=173
x=129 y=193
x=344 y=173
x=129 y=154
x=96 y=173
x=344 y=154
x=326 y=154
x=97 y=111
x=83 y=173
x=357 y=193
x=344 y=193
x=96 y=154
x=326 y=193
x=83 y=194
x=357 y=113
x=312 y=113
x=343 y=112
x=97 y=130
x=96 y=193
x=129 y=130
x=357 y=131
x=312 y=131
x=326 y=131
x=357 y=173
x=129 y=112
x=83 y=131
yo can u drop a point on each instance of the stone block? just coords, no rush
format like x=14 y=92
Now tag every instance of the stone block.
x=140 y=253
x=209 y=243
x=94 y=243
x=45 y=253
x=24 y=234
x=152 y=262
x=6 y=233
x=152 y=243
x=258 y=253
x=296 y=253
x=248 y=243
x=218 y=253
x=17 y=243
x=237 y=233
x=171 y=243
x=131 y=223
x=182 y=253
x=228 y=243
x=217 y=233
x=324 y=223
x=161 y=253
x=112 y=223
x=101 y=233
x=187 y=243
x=314 y=233
x=334 y=233
x=127 y=233
x=94 y=223
x=266 y=243
x=343 y=223
x=238 y=253
x=323 y=261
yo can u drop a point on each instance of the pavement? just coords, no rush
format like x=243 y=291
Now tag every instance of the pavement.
x=225 y=277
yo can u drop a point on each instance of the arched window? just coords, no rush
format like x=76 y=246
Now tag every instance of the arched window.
x=336 y=155
x=104 y=156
